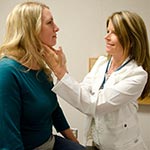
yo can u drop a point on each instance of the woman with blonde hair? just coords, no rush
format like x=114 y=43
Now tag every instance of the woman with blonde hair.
x=28 y=107
x=109 y=92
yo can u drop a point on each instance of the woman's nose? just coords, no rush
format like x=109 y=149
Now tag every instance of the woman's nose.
x=56 y=28
x=107 y=36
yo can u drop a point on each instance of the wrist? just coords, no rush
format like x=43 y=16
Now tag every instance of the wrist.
x=60 y=73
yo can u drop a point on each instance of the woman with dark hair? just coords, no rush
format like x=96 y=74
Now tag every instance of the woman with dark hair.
x=109 y=92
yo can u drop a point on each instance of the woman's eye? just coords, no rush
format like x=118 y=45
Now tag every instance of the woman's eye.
x=50 y=22
x=111 y=32
x=108 y=31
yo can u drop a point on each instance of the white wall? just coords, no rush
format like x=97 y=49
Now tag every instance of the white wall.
x=82 y=28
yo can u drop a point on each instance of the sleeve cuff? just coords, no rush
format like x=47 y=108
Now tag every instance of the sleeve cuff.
x=59 y=82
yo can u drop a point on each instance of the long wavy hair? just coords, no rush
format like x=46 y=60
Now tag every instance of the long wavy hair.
x=22 y=40
x=132 y=34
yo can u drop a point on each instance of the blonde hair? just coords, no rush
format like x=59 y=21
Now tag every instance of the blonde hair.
x=132 y=34
x=22 y=35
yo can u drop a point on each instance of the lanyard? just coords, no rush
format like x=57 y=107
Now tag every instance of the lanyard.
x=104 y=80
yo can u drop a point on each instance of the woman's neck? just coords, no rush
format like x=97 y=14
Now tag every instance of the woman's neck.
x=32 y=65
x=115 y=64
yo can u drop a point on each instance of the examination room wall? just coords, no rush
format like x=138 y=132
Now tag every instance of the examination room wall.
x=82 y=29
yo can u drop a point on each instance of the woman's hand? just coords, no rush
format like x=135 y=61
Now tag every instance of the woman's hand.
x=56 y=61
x=69 y=135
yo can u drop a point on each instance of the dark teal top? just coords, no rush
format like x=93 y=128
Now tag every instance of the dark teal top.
x=28 y=107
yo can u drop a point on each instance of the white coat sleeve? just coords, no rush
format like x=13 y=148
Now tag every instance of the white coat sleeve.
x=80 y=95
x=72 y=92
x=120 y=89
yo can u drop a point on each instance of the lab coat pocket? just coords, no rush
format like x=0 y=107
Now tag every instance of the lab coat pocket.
x=128 y=137
x=122 y=131
x=135 y=144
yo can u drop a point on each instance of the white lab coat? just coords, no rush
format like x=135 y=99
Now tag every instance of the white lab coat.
x=114 y=108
